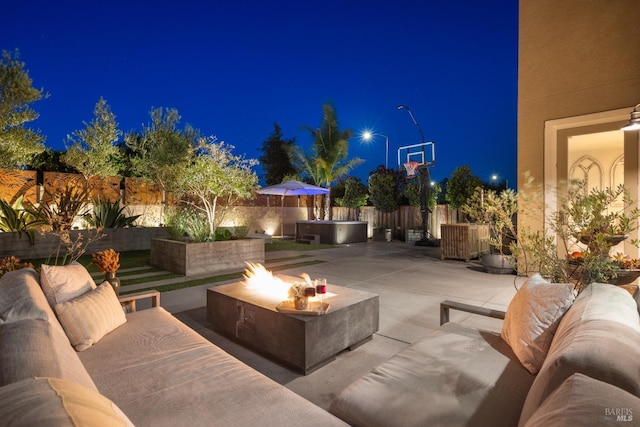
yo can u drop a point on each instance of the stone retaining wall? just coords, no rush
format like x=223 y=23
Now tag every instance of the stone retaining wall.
x=205 y=258
x=119 y=239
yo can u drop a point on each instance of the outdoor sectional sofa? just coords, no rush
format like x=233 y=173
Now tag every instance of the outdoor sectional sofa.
x=556 y=362
x=144 y=368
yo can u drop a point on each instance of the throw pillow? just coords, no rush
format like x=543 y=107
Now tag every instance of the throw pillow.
x=89 y=317
x=61 y=283
x=42 y=401
x=532 y=318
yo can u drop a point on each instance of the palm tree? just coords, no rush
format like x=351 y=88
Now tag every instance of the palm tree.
x=327 y=160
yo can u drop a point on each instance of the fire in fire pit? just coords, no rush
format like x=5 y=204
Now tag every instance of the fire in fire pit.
x=262 y=281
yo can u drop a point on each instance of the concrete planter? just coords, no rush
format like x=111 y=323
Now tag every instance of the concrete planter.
x=205 y=258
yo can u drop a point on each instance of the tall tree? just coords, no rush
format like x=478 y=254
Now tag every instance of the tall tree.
x=461 y=185
x=93 y=151
x=18 y=144
x=355 y=194
x=383 y=190
x=328 y=158
x=276 y=160
x=163 y=150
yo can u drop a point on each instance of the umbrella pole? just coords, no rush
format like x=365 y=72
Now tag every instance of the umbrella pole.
x=282 y=217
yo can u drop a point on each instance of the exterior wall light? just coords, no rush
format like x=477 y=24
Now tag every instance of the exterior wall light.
x=634 y=120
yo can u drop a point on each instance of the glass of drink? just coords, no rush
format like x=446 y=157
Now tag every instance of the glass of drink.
x=321 y=289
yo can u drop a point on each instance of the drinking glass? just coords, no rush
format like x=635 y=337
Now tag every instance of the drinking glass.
x=321 y=289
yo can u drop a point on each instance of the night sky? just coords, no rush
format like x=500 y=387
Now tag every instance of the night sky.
x=234 y=68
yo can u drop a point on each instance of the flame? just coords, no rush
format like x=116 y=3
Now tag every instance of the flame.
x=261 y=280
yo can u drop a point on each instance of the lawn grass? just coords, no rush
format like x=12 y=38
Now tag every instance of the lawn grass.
x=213 y=279
x=128 y=259
x=140 y=261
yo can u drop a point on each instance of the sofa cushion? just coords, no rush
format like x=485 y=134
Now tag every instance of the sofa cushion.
x=21 y=297
x=584 y=402
x=48 y=402
x=61 y=283
x=599 y=337
x=32 y=341
x=455 y=376
x=89 y=317
x=35 y=347
x=532 y=318
x=162 y=373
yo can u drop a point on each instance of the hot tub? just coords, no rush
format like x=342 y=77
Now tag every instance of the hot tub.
x=332 y=232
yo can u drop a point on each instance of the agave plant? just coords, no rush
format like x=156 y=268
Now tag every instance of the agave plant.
x=15 y=218
x=109 y=215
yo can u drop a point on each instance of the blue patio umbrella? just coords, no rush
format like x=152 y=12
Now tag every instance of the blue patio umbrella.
x=292 y=188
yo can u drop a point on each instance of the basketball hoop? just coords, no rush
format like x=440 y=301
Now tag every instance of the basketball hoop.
x=411 y=168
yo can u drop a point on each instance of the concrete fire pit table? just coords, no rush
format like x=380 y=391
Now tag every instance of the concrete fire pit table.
x=301 y=342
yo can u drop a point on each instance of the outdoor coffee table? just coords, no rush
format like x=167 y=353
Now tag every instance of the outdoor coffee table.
x=301 y=342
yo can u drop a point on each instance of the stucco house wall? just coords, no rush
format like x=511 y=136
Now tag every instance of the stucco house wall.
x=579 y=62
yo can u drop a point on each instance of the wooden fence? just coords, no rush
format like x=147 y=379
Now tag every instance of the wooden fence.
x=147 y=200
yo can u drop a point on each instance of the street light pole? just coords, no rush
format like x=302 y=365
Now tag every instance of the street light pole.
x=368 y=135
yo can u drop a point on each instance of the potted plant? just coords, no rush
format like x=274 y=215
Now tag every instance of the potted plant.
x=588 y=225
x=499 y=211
x=585 y=228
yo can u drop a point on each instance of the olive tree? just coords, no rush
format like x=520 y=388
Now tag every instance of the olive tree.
x=18 y=144
x=162 y=151
x=93 y=151
x=215 y=174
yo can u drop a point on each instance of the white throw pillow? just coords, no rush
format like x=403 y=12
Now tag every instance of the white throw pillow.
x=61 y=283
x=89 y=317
x=532 y=319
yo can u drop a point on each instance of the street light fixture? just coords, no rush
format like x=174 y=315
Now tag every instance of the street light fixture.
x=404 y=107
x=367 y=135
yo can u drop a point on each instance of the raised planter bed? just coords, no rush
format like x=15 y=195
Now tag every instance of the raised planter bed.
x=120 y=239
x=207 y=257
x=464 y=241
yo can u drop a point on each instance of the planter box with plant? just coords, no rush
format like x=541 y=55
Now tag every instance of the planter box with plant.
x=498 y=210
x=587 y=226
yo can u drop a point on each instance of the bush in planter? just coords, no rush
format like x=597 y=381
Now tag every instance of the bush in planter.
x=499 y=211
x=579 y=249
x=598 y=219
x=186 y=223
x=215 y=173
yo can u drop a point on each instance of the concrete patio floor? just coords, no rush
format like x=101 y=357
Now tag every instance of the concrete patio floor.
x=411 y=282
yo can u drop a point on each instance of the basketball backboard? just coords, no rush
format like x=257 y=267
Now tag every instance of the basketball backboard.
x=423 y=153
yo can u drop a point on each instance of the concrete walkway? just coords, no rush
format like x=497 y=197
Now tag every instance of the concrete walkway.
x=411 y=282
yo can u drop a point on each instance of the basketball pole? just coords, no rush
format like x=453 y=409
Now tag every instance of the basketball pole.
x=425 y=181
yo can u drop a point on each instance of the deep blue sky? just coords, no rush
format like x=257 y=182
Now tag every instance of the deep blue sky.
x=234 y=68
